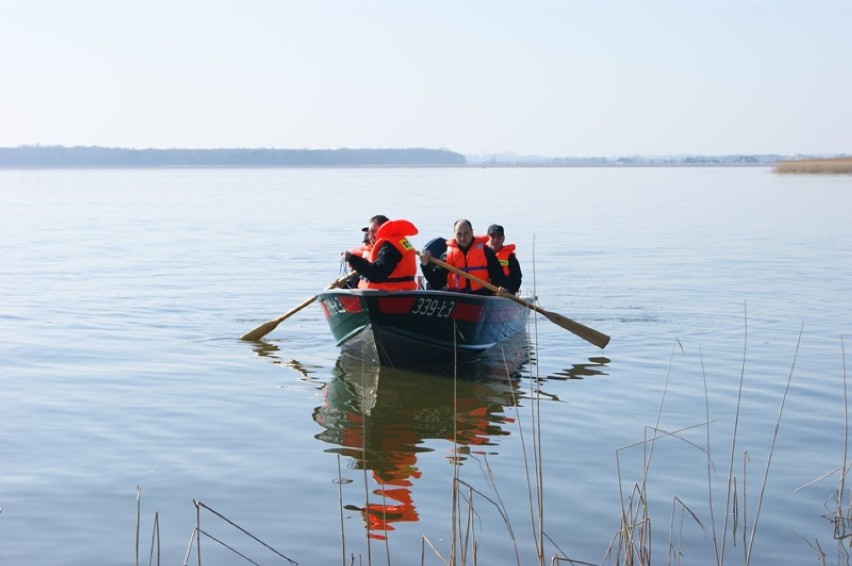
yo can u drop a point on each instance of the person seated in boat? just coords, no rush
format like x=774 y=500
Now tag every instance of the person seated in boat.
x=363 y=250
x=366 y=243
x=392 y=261
x=469 y=254
x=506 y=256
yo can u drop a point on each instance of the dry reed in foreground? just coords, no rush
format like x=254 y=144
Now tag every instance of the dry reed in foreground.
x=832 y=166
x=631 y=544
x=738 y=525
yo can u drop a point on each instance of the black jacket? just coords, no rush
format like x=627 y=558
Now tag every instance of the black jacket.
x=513 y=280
x=387 y=258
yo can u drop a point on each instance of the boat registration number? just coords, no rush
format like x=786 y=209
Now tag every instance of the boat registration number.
x=439 y=308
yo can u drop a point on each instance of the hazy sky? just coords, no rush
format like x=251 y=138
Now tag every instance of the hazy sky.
x=554 y=78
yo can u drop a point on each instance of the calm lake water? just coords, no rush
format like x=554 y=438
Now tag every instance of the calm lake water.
x=124 y=293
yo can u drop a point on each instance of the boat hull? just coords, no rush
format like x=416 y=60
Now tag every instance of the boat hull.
x=414 y=328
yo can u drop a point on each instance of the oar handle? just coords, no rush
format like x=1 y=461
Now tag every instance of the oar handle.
x=295 y=309
x=591 y=335
x=342 y=280
x=476 y=279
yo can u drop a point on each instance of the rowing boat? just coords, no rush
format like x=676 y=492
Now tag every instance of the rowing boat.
x=417 y=328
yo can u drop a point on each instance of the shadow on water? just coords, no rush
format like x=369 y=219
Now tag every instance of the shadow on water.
x=381 y=417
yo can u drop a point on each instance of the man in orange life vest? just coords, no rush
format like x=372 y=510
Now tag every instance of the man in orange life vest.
x=471 y=255
x=506 y=255
x=363 y=249
x=391 y=264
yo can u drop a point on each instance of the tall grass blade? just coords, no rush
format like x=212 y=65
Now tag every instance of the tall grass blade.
x=155 y=540
x=841 y=484
x=728 y=500
x=138 y=519
x=771 y=451
x=340 y=505
x=199 y=505
x=709 y=460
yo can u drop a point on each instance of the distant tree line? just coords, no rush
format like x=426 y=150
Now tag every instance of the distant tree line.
x=92 y=156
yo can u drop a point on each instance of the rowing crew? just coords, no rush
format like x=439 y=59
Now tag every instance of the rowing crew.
x=387 y=260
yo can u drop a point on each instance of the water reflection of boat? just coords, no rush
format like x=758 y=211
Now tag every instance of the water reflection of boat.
x=594 y=367
x=380 y=417
x=271 y=351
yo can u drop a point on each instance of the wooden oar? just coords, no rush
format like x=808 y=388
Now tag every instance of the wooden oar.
x=591 y=335
x=268 y=327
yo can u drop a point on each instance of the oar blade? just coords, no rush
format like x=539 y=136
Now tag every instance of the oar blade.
x=268 y=327
x=590 y=335
x=260 y=331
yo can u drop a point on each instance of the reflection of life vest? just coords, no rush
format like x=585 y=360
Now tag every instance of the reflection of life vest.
x=402 y=277
x=394 y=466
x=380 y=517
x=473 y=262
x=503 y=256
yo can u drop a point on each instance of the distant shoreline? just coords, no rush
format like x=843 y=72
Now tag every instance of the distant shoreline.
x=94 y=157
x=405 y=166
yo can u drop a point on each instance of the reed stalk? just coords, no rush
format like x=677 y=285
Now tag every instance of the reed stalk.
x=340 y=505
x=189 y=546
x=455 y=494
x=138 y=518
x=771 y=452
x=198 y=531
x=731 y=480
x=841 y=483
x=709 y=461
x=155 y=540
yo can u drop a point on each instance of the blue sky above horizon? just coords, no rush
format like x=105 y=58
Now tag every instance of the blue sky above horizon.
x=533 y=77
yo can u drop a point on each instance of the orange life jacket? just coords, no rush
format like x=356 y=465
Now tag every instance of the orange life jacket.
x=362 y=250
x=503 y=256
x=473 y=262
x=402 y=278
